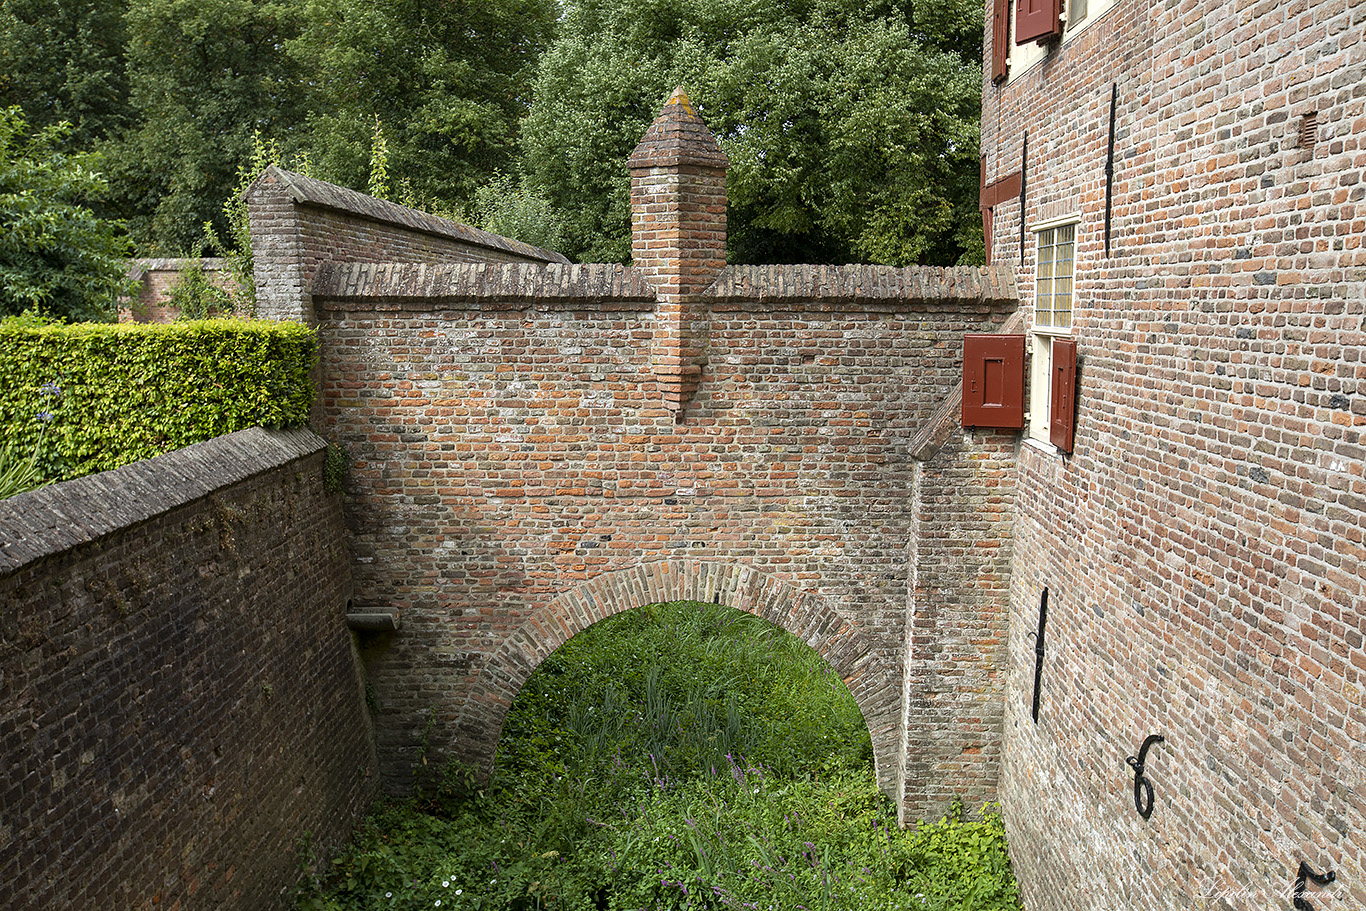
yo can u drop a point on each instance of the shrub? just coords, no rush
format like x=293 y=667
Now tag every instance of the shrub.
x=114 y=394
x=195 y=296
x=55 y=253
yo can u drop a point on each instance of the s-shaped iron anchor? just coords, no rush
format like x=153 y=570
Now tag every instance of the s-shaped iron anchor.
x=1302 y=903
x=1143 y=789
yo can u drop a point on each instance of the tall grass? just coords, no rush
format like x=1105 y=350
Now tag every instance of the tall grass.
x=678 y=756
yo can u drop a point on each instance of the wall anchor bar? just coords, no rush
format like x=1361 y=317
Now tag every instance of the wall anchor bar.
x=1302 y=903
x=1110 y=164
x=1143 y=789
x=1039 y=652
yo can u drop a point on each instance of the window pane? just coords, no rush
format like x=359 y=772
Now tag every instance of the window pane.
x=1062 y=277
x=1043 y=286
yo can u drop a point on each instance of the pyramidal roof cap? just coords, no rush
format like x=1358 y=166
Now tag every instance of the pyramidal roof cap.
x=678 y=137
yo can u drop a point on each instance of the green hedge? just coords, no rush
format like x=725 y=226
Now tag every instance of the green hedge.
x=91 y=396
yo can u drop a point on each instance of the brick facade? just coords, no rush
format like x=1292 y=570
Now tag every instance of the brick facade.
x=1202 y=546
x=537 y=445
x=180 y=700
x=517 y=473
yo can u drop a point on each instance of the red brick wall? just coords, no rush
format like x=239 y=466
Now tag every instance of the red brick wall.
x=1202 y=547
x=158 y=277
x=517 y=474
x=299 y=223
x=180 y=700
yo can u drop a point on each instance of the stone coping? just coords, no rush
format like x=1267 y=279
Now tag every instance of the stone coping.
x=766 y=285
x=56 y=518
x=420 y=286
x=138 y=268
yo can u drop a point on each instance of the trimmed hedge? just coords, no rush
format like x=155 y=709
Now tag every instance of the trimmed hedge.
x=95 y=396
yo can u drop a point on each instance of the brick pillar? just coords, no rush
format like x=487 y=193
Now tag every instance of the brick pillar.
x=277 y=250
x=678 y=237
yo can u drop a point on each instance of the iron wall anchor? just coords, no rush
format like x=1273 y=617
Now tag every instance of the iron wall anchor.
x=1302 y=903
x=1143 y=789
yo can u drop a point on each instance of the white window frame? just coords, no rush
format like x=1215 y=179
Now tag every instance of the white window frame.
x=1048 y=287
x=1024 y=56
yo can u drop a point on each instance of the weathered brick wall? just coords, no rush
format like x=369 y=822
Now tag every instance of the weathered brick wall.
x=156 y=278
x=517 y=474
x=180 y=700
x=298 y=223
x=1202 y=547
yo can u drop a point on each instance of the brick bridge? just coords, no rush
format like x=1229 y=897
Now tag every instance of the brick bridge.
x=538 y=445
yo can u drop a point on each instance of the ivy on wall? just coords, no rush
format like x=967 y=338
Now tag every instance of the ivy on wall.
x=91 y=397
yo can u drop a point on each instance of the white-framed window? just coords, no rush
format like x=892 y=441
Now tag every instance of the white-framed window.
x=1074 y=16
x=1053 y=277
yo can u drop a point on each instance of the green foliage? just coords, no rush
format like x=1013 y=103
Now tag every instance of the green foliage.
x=20 y=472
x=196 y=296
x=56 y=255
x=119 y=393
x=205 y=77
x=64 y=62
x=852 y=128
x=336 y=462
x=588 y=811
x=448 y=80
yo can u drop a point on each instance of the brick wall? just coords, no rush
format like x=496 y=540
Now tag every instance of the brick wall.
x=180 y=700
x=298 y=223
x=518 y=474
x=1202 y=547
x=156 y=277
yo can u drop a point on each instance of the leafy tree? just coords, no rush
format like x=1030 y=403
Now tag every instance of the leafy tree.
x=56 y=255
x=446 y=82
x=205 y=77
x=851 y=126
x=64 y=61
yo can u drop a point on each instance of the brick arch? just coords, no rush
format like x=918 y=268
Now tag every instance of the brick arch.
x=803 y=613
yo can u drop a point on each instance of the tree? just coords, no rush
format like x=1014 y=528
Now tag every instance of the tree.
x=851 y=126
x=205 y=77
x=446 y=82
x=65 y=62
x=56 y=255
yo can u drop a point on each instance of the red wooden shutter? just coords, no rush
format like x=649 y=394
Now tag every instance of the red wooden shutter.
x=1000 y=40
x=1036 y=20
x=993 y=381
x=1062 y=410
x=986 y=233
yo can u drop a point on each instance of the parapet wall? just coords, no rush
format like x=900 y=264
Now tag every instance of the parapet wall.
x=180 y=700
x=298 y=223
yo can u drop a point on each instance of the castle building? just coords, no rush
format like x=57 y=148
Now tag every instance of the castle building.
x=1178 y=188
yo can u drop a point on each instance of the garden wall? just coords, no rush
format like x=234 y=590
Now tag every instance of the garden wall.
x=156 y=277
x=299 y=223
x=180 y=702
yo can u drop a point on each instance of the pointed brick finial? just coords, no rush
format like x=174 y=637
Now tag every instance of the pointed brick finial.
x=678 y=137
x=678 y=236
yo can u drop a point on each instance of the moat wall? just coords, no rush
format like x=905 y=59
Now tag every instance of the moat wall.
x=180 y=700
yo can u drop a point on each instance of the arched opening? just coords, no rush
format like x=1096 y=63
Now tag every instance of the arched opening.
x=666 y=692
x=804 y=614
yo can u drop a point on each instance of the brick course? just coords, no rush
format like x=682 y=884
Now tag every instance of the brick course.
x=180 y=701
x=1203 y=546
